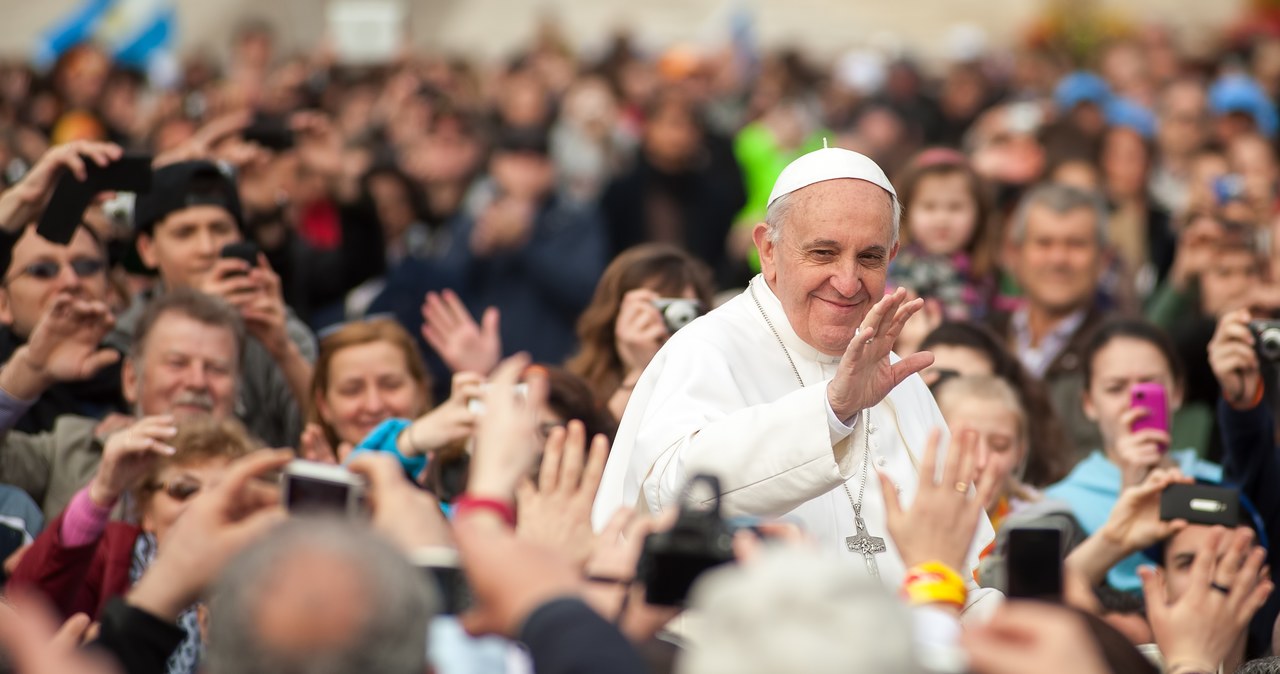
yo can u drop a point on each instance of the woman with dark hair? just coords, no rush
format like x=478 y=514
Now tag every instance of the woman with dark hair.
x=1121 y=354
x=963 y=348
x=622 y=328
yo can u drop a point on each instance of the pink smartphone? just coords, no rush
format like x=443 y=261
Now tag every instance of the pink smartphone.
x=1155 y=400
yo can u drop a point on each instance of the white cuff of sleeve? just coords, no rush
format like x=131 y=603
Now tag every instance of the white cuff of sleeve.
x=838 y=429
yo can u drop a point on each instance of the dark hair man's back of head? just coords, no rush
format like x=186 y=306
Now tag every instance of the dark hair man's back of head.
x=320 y=596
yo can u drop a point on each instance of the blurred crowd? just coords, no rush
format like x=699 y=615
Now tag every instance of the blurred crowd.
x=449 y=276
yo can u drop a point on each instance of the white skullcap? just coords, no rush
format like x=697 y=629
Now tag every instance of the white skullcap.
x=829 y=163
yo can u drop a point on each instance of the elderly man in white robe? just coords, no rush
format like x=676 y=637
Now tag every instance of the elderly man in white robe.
x=789 y=392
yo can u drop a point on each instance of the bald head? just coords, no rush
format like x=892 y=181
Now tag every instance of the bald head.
x=320 y=596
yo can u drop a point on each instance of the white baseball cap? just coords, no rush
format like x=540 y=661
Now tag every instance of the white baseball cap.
x=829 y=163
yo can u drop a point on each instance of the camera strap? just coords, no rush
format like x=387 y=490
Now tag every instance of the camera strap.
x=862 y=541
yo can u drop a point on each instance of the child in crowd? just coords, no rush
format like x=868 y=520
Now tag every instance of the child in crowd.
x=946 y=235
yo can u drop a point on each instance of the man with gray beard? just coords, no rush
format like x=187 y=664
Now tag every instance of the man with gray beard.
x=184 y=361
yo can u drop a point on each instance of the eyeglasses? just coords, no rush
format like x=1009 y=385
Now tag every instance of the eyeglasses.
x=178 y=490
x=48 y=270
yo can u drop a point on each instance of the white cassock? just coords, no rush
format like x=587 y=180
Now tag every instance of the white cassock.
x=721 y=398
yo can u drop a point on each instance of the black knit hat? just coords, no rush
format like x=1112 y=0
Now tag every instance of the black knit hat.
x=183 y=185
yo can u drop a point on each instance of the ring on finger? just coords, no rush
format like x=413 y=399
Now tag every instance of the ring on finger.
x=962 y=487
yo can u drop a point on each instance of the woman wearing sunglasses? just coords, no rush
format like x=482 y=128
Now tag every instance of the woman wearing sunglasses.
x=82 y=559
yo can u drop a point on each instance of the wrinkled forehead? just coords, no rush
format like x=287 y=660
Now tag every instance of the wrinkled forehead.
x=842 y=206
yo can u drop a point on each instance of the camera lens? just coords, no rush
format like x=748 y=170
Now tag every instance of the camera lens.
x=1269 y=344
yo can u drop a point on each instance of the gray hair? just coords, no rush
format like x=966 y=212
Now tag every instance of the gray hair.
x=392 y=639
x=778 y=210
x=207 y=309
x=795 y=610
x=1060 y=199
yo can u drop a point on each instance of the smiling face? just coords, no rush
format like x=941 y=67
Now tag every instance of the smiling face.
x=368 y=384
x=1059 y=259
x=186 y=368
x=828 y=267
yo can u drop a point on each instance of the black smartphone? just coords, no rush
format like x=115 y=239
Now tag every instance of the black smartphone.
x=1033 y=563
x=273 y=133
x=242 y=250
x=1201 y=504
x=70 y=198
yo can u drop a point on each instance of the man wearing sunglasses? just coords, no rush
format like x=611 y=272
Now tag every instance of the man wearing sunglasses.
x=34 y=271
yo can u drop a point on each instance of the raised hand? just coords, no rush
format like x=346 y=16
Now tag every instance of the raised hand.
x=314 y=446
x=66 y=341
x=557 y=510
x=451 y=421
x=1227 y=586
x=21 y=204
x=1133 y=525
x=943 y=518
x=449 y=329
x=37 y=644
x=64 y=346
x=639 y=331
x=264 y=313
x=611 y=589
x=1139 y=452
x=407 y=515
x=129 y=455
x=1233 y=360
x=506 y=445
x=865 y=375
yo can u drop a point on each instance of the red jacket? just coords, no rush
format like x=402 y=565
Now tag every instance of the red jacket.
x=79 y=579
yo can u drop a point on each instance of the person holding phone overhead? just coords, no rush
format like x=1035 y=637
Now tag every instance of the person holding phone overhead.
x=1132 y=383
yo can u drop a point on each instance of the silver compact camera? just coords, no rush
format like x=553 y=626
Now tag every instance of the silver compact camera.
x=678 y=312
x=1266 y=337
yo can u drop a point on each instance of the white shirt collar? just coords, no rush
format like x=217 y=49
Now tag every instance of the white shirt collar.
x=772 y=306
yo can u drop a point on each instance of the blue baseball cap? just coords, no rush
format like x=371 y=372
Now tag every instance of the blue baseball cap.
x=1130 y=114
x=1241 y=94
x=1081 y=87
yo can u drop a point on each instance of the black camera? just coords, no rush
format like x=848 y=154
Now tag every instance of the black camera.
x=678 y=312
x=1266 y=339
x=672 y=560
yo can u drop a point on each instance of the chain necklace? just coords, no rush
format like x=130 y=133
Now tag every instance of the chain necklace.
x=862 y=542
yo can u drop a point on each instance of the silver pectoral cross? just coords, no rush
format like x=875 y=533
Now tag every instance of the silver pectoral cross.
x=865 y=544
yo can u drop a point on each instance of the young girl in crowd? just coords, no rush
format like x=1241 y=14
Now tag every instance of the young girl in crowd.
x=947 y=246
x=1121 y=354
x=988 y=406
x=966 y=349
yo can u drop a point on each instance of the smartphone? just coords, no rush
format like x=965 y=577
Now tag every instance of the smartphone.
x=1201 y=504
x=309 y=487
x=272 y=133
x=242 y=250
x=1033 y=563
x=65 y=212
x=443 y=570
x=1155 y=400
